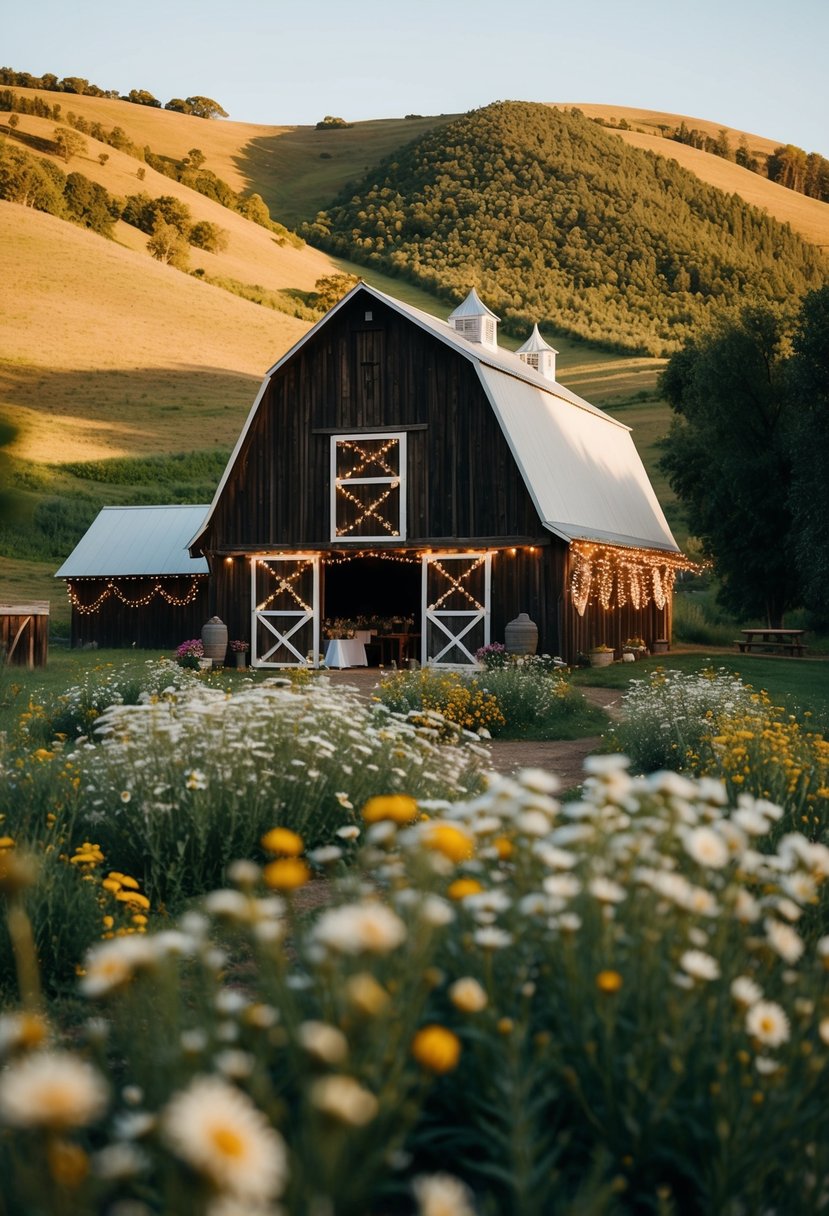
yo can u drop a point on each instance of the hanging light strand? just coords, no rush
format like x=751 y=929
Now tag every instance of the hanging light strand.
x=365 y=458
x=612 y=576
x=158 y=590
x=456 y=584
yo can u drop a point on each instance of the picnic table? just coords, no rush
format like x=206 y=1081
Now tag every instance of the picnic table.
x=787 y=641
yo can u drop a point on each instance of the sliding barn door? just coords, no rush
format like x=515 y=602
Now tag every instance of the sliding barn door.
x=285 y=598
x=456 y=608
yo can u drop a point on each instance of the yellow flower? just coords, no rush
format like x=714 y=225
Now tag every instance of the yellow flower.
x=134 y=898
x=286 y=874
x=449 y=840
x=436 y=1049
x=609 y=981
x=68 y=1163
x=6 y=842
x=399 y=808
x=283 y=841
x=462 y=887
x=503 y=847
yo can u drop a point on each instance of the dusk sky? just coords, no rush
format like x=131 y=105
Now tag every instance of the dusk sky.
x=759 y=65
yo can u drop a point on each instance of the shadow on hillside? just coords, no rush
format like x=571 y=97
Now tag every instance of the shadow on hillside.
x=117 y=411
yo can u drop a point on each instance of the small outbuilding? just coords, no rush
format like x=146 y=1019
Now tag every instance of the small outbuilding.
x=131 y=580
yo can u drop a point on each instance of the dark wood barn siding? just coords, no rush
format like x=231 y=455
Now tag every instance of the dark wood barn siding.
x=358 y=375
x=158 y=625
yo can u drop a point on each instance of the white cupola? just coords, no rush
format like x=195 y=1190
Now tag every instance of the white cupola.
x=475 y=322
x=538 y=354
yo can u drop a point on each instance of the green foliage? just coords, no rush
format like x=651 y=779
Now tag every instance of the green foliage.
x=193 y=475
x=90 y=205
x=294 y=303
x=331 y=289
x=331 y=122
x=808 y=375
x=523 y=699
x=69 y=143
x=728 y=459
x=556 y=220
x=205 y=235
x=27 y=180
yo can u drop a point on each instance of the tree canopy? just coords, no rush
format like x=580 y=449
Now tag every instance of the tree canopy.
x=556 y=220
x=748 y=455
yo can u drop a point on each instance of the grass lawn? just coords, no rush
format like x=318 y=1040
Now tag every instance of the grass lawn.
x=800 y=684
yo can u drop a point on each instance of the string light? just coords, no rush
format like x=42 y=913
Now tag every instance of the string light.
x=456 y=584
x=158 y=590
x=368 y=458
x=284 y=583
x=640 y=576
x=371 y=511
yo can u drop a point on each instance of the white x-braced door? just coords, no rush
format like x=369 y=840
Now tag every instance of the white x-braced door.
x=285 y=617
x=456 y=608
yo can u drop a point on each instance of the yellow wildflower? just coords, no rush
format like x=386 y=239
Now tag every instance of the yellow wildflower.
x=436 y=1049
x=399 y=808
x=283 y=842
x=449 y=840
x=286 y=874
x=609 y=981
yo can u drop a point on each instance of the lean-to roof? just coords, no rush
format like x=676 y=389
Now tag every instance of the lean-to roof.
x=137 y=541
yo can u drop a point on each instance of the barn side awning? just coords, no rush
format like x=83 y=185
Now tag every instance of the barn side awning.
x=130 y=542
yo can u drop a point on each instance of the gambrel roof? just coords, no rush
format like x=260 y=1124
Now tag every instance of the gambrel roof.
x=136 y=542
x=580 y=465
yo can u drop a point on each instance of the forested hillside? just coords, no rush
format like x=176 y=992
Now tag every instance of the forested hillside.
x=555 y=220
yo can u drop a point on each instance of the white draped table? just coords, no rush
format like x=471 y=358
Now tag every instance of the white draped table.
x=346 y=652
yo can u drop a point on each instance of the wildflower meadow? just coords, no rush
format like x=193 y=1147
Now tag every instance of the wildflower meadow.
x=319 y=958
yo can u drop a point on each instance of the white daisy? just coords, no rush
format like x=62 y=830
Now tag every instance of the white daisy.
x=442 y=1195
x=324 y=1041
x=767 y=1023
x=699 y=965
x=218 y=1131
x=368 y=928
x=53 y=1089
x=745 y=991
x=784 y=941
x=344 y=1099
x=707 y=848
x=468 y=995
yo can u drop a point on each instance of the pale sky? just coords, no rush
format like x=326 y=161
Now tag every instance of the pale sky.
x=758 y=65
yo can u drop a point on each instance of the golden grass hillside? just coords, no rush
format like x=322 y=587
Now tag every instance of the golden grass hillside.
x=807 y=216
x=105 y=352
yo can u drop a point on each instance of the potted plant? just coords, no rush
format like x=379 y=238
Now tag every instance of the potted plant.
x=601 y=656
x=239 y=650
x=635 y=647
x=190 y=654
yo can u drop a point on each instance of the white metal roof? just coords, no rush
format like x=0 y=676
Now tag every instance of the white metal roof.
x=586 y=478
x=137 y=541
x=590 y=481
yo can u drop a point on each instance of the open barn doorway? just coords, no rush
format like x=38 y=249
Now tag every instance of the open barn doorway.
x=377 y=594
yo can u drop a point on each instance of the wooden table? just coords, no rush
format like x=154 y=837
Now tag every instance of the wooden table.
x=787 y=641
x=399 y=646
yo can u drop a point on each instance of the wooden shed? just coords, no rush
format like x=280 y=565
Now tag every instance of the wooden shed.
x=400 y=465
x=24 y=633
x=132 y=582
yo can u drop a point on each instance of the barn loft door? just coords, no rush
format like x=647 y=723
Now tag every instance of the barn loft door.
x=285 y=610
x=456 y=609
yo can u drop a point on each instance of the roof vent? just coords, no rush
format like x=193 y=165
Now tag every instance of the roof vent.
x=538 y=354
x=475 y=322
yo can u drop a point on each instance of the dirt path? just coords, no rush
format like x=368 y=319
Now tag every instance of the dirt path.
x=564 y=757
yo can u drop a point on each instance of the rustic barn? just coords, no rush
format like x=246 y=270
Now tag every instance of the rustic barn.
x=396 y=465
x=132 y=582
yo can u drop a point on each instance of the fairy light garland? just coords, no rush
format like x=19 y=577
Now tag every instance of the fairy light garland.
x=368 y=458
x=158 y=590
x=284 y=584
x=371 y=511
x=456 y=584
x=638 y=576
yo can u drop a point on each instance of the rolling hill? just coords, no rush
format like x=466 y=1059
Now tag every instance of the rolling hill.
x=556 y=220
